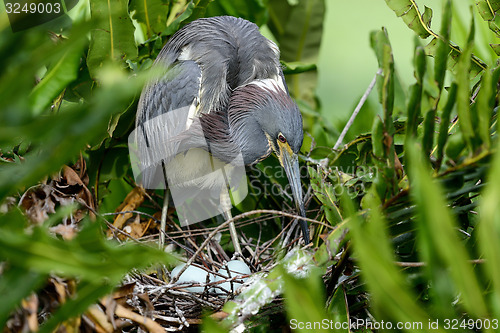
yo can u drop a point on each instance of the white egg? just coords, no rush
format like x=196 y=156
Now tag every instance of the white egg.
x=191 y=274
x=236 y=268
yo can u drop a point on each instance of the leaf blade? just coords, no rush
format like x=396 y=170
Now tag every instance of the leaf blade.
x=112 y=38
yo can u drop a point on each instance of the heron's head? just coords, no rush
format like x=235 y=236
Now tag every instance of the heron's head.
x=267 y=110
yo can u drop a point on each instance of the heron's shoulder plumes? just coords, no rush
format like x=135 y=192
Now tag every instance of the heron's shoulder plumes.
x=229 y=51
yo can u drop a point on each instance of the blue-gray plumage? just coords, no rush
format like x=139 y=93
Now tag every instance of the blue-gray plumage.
x=224 y=73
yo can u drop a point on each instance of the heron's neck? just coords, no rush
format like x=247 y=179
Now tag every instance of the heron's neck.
x=217 y=137
x=248 y=134
x=240 y=127
x=244 y=112
x=227 y=137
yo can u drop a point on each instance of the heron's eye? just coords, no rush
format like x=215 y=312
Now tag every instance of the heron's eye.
x=281 y=138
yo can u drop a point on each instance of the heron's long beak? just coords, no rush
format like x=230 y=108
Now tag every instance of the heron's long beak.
x=290 y=162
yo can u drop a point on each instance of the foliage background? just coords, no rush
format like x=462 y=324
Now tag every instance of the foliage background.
x=409 y=230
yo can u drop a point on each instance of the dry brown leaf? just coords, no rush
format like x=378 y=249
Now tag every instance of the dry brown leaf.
x=124 y=291
x=30 y=306
x=147 y=301
x=324 y=237
x=61 y=288
x=398 y=166
x=133 y=200
x=219 y=315
x=66 y=188
x=70 y=326
x=71 y=177
x=100 y=320
x=81 y=167
x=110 y=305
x=134 y=228
x=122 y=312
x=71 y=184
x=152 y=226
x=67 y=232
x=38 y=203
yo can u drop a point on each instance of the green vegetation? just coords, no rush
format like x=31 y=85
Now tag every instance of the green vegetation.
x=404 y=219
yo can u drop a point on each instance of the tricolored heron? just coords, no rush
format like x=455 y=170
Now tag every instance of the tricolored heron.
x=226 y=80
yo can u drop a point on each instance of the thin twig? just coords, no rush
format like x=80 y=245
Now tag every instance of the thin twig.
x=422 y=264
x=109 y=224
x=356 y=110
x=162 y=232
x=189 y=295
x=133 y=212
x=260 y=252
x=163 y=222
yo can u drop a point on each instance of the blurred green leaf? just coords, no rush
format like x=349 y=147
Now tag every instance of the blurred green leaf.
x=15 y=284
x=339 y=309
x=87 y=256
x=87 y=293
x=445 y=122
x=415 y=101
x=297 y=67
x=65 y=133
x=484 y=108
x=429 y=125
x=392 y=297
x=304 y=298
x=56 y=152
x=28 y=54
x=455 y=145
x=210 y=325
x=443 y=46
x=379 y=41
x=438 y=237
x=489 y=234
x=378 y=138
x=383 y=131
x=58 y=76
x=463 y=93
x=441 y=60
x=30 y=256
x=380 y=184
